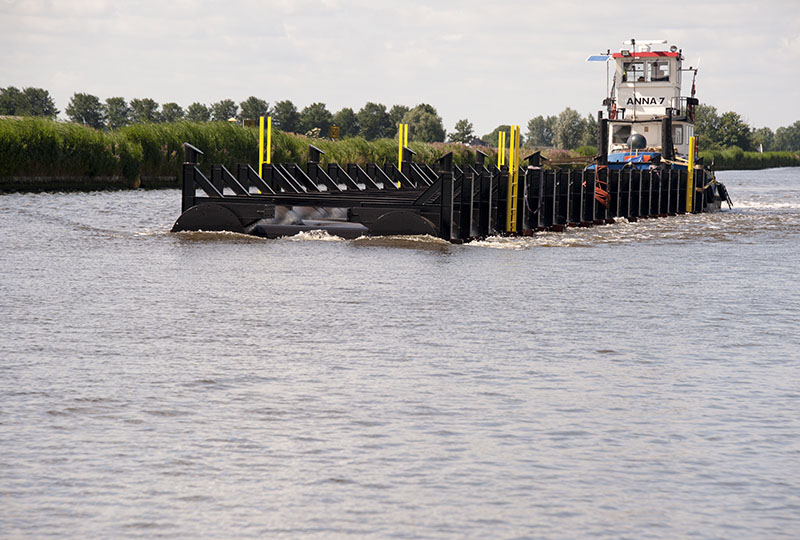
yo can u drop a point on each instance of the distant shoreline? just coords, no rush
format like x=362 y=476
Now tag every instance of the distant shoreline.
x=43 y=155
x=35 y=184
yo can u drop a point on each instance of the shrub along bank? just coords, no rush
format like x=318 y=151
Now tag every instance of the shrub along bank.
x=40 y=154
x=40 y=148
x=735 y=158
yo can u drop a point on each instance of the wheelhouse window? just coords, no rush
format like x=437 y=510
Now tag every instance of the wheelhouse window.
x=659 y=71
x=633 y=72
x=677 y=134
x=620 y=134
x=646 y=71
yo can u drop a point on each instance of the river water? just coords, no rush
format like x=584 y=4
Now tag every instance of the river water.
x=635 y=380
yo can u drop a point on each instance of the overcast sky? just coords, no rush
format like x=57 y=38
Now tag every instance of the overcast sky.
x=490 y=62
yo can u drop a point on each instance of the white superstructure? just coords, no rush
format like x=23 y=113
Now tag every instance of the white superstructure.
x=646 y=89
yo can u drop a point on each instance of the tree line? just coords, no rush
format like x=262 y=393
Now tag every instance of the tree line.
x=27 y=102
x=372 y=121
x=729 y=131
x=567 y=130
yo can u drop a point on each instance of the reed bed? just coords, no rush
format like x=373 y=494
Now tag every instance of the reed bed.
x=37 y=147
x=736 y=158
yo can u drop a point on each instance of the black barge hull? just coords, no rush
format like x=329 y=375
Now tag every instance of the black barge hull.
x=450 y=202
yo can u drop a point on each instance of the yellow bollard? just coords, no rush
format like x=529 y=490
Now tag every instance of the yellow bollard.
x=513 y=180
x=690 y=177
x=504 y=148
x=501 y=149
x=399 y=146
x=269 y=140
x=402 y=140
x=514 y=208
x=260 y=145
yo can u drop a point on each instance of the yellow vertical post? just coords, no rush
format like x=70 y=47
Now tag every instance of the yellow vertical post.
x=516 y=178
x=260 y=145
x=402 y=140
x=690 y=177
x=511 y=147
x=510 y=181
x=501 y=147
x=269 y=140
x=511 y=202
x=399 y=145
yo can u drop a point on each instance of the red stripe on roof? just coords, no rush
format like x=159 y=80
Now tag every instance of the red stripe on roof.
x=654 y=54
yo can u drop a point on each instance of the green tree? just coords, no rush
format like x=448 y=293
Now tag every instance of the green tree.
x=396 y=114
x=707 y=126
x=347 y=121
x=28 y=102
x=36 y=102
x=788 y=137
x=734 y=131
x=589 y=137
x=541 y=131
x=171 y=112
x=492 y=138
x=285 y=116
x=118 y=114
x=764 y=139
x=223 y=110
x=144 y=111
x=253 y=108
x=569 y=129
x=197 y=112
x=86 y=109
x=10 y=100
x=375 y=121
x=424 y=124
x=463 y=132
x=316 y=115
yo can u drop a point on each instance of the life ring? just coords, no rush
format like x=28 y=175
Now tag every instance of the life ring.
x=612 y=114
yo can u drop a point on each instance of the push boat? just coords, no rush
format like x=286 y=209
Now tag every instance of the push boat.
x=650 y=124
x=646 y=167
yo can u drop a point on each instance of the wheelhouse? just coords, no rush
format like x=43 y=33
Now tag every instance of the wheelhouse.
x=645 y=89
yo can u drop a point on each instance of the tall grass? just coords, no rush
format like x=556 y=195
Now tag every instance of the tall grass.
x=37 y=147
x=40 y=147
x=736 y=158
x=162 y=144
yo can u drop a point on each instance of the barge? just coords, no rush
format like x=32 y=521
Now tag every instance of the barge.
x=646 y=167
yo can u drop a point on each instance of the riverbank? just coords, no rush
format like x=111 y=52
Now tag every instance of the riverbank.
x=43 y=155
x=737 y=159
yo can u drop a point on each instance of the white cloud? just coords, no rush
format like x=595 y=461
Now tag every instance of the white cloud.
x=790 y=46
x=491 y=63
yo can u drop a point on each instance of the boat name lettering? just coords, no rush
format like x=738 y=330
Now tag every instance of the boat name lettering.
x=646 y=101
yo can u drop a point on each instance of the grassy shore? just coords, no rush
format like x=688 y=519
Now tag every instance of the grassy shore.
x=736 y=159
x=33 y=150
x=38 y=154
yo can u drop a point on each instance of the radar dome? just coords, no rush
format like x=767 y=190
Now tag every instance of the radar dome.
x=637 y=141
